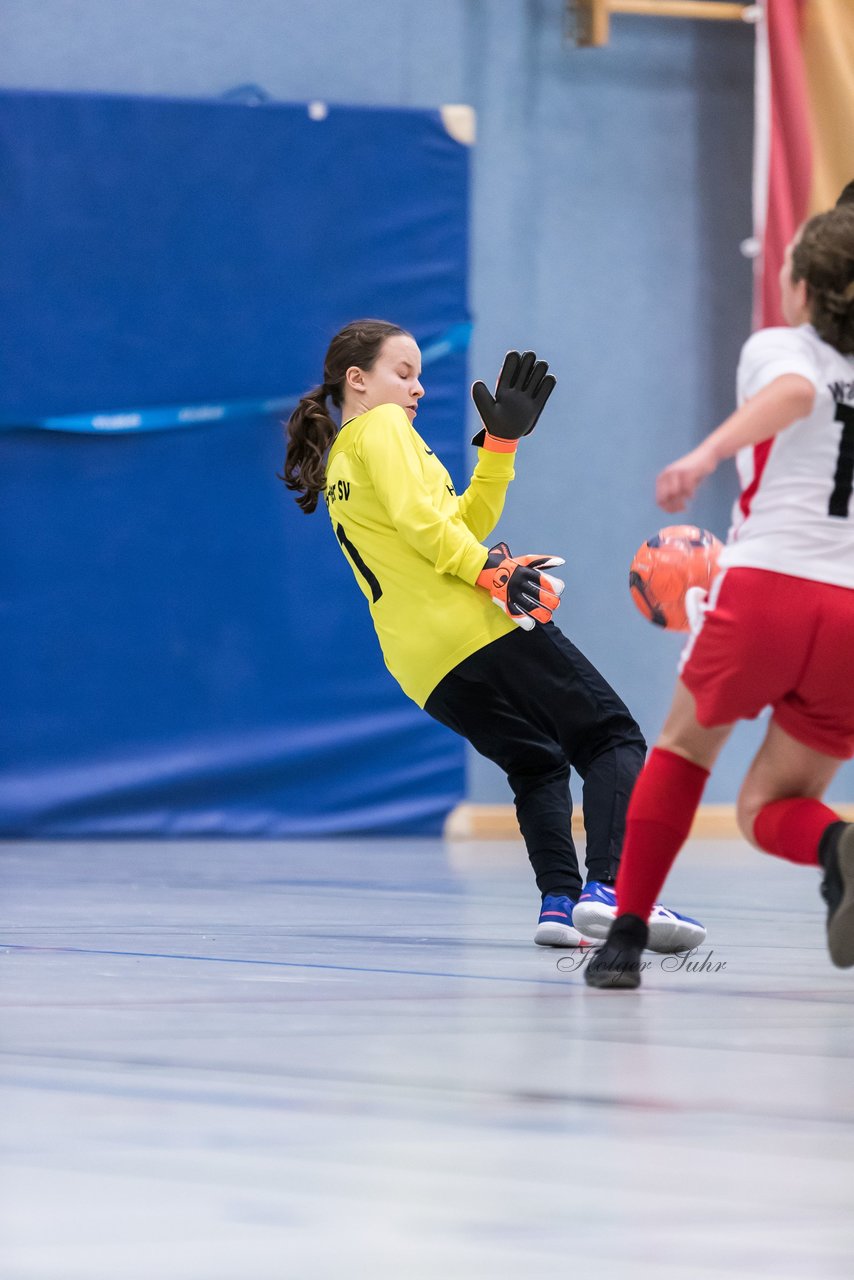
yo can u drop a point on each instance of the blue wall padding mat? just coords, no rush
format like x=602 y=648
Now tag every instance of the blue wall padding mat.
x=182 y=651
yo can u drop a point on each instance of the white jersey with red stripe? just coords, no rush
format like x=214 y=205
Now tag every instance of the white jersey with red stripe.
x=796 y=510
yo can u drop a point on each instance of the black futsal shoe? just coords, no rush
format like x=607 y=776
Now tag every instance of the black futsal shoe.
x=836 y=853
x=618 y=962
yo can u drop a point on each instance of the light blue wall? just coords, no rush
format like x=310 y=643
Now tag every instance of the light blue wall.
x=611 y=191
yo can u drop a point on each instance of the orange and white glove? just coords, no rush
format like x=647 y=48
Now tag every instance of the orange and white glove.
x=519 y=585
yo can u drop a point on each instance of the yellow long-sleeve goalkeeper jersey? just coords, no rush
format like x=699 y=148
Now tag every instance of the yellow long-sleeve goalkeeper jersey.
x=415 y=545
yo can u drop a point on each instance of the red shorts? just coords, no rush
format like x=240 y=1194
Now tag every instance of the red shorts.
x=768 y=639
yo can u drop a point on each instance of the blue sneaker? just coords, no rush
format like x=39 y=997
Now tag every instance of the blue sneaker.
x=668 y=930
x=554 y=927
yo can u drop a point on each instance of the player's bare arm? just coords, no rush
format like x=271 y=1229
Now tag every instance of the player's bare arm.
x=772 y=409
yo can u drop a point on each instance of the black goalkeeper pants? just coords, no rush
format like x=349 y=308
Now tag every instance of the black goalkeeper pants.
x=534 y=704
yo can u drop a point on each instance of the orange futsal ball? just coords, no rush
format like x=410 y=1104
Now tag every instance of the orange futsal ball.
x=665 y=566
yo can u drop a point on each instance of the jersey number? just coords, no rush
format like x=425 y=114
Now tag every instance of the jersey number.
x=843 y=481
x=370 y=578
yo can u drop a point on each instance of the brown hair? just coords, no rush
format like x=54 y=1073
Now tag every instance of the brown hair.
x=824 y=257
x=846 y=195
x=311 y=428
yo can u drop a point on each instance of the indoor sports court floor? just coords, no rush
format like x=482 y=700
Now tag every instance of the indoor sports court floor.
x=271 y=1060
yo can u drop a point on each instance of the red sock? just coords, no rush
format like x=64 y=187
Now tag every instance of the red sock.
x=661 y=810
x=793 y=828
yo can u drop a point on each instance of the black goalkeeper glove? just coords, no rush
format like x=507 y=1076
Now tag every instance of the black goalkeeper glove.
x=524 y=385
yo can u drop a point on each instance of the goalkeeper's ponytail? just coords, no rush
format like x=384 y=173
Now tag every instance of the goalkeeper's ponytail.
x=311 y=431
x=311 y=427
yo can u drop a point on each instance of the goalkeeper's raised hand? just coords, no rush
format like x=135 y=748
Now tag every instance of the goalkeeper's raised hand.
x=519 y=585
x=524 y=385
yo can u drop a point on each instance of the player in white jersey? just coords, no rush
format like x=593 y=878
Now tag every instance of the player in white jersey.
x=792 y=515
x=778 y=627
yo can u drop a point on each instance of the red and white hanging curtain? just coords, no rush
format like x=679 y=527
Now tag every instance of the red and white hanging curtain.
x=804 y=132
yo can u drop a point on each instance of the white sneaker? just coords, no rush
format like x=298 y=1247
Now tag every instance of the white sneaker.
x=669 y=931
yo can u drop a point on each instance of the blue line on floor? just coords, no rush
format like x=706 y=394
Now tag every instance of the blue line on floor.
x=278 y=964
x=842 y=997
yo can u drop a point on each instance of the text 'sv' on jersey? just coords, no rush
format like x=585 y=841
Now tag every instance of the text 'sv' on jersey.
x=416 y=546
x=795 y=514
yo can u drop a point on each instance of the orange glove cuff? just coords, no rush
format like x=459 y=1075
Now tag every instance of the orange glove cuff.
x=496 y=445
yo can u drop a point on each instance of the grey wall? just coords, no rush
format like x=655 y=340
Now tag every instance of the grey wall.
x=611 y=191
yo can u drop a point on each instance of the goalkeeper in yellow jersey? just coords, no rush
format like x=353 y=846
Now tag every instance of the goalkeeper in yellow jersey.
x=506 y=679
